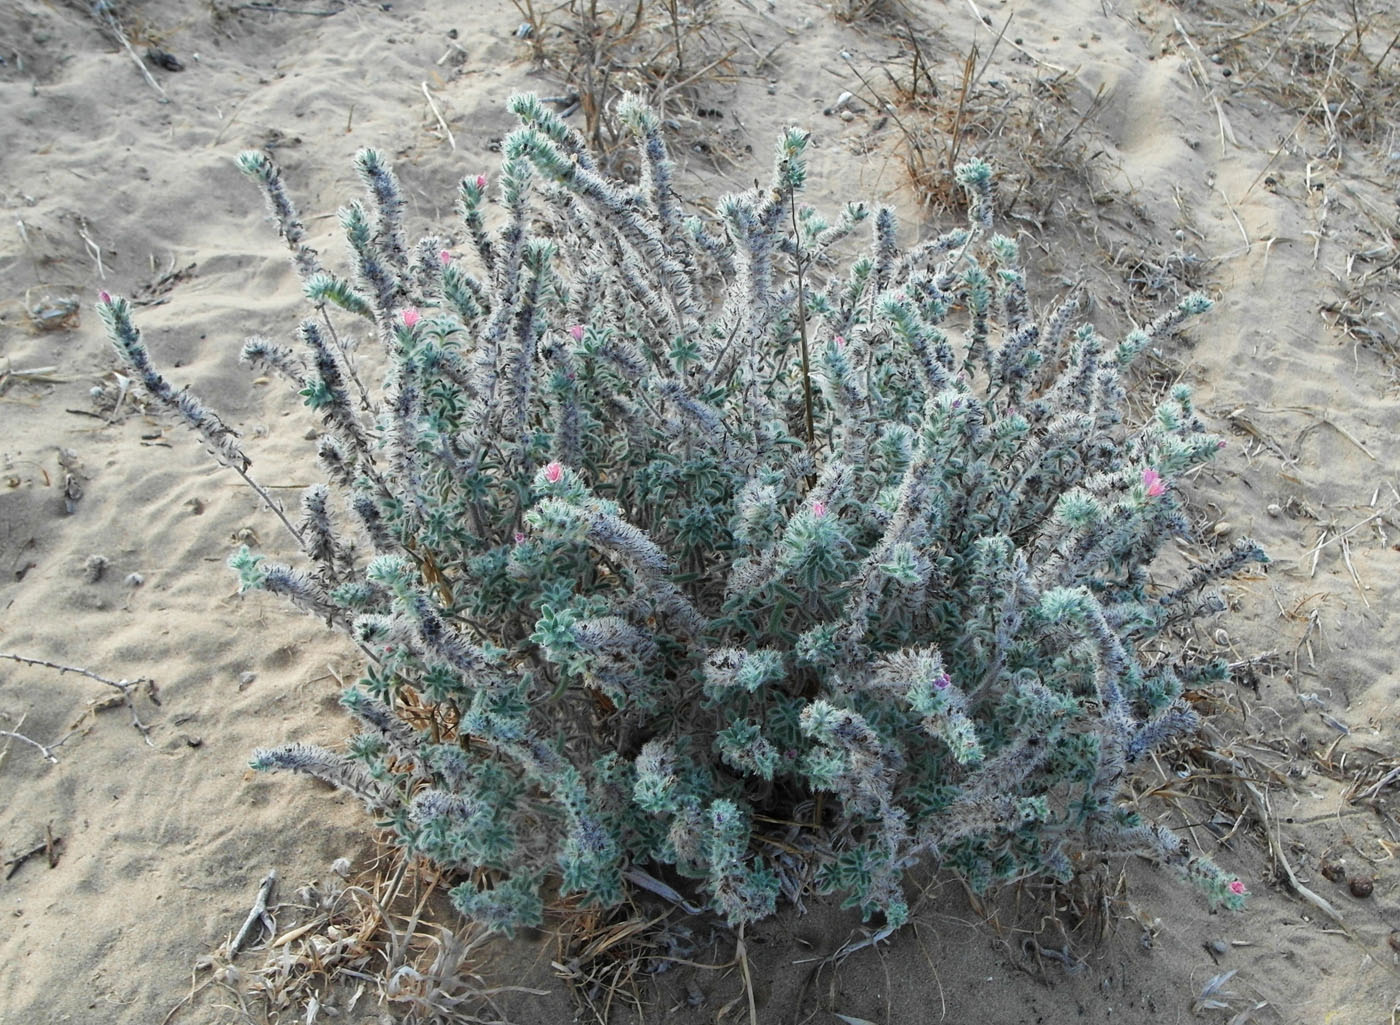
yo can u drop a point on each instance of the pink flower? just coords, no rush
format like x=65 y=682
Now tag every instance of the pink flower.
x=818 y=509
x=1236 y=887
x=576 y=332
x=943 y=681
x=553 y=472
x=444 y=258
x=519 y=538
x=481 y=181
x=840 y=341
x=410 y=317
x=1152 y=481
x=1220 y=444
x=104 y=296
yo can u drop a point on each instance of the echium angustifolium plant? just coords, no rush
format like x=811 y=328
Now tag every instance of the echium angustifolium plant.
x=664 y=537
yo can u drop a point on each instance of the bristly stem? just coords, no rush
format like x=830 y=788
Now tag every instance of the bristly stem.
x=365 y=401
x=802 y=324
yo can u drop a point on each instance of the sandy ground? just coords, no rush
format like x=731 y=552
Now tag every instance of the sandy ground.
x=1150 y=148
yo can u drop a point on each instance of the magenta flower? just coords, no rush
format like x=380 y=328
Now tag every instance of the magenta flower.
x=444 y=258
x=410 y=317
x=1152 y=481
x=840 y=341
x=553 y=472
x=481 y=181
x=576 y=332
x=943 y=681
x=1236 y=887
x=104 y=296
x=818 y=509
x=519 y=538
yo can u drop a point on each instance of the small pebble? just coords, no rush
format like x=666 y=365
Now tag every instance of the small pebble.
x=246 y=678
x=341 y=867
x=134 y=580
x=1222 y=528
x=1333 y=871
x=1222 y=638
x=1361 y=886
x=1275 y=509
x=1218 y=947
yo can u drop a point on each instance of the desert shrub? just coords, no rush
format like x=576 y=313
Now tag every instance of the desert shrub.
x=673 y=542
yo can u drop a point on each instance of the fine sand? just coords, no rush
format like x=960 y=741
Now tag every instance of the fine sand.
x=1149 y=148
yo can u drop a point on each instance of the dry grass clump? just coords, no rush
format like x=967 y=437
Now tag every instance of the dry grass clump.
x=948 y=110
x=1056 y=172
x=672 y=53
x=1335 y=68
x=385 y=938
x=1336 y=64
x=1367 y=308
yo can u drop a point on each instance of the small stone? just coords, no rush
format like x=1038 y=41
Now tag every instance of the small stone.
x=1222 y=528
x=1222 y=638
x=847 y=116
x=1274 y=509
x=1218 y=947
x=72 y=493
x=341 y=867
x=246 y=678
x=1361 y=887
x=134 y=580
x=192 y=741
x=164 y=60
x=1333 y=871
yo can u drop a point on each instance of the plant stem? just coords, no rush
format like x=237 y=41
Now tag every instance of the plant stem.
x=802 y=325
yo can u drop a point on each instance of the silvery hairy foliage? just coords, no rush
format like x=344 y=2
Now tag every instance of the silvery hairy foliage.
x=682 y=544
